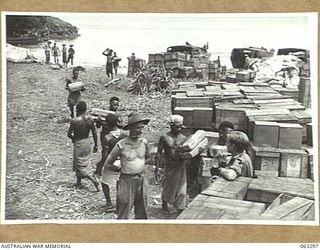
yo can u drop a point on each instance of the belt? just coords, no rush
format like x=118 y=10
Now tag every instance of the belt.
x=132 y=175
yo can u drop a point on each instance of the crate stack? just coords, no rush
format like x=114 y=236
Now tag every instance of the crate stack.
x=276 y=123
x=175 y=60
x=134 y=65
x=156 y=60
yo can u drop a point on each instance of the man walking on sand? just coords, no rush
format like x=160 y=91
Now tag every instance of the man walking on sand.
x=174 y=180
x=47 y=51
x=74 y=96
x=55 y=53
x=78 y=132
x=133 y=152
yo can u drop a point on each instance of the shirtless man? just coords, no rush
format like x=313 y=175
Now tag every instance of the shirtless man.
x=55 y=53
x=133 y=152
x=74 y=96
x=175 y=180
x=78 y=132
x=113 y=106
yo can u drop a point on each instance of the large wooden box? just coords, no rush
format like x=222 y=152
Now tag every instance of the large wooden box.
x=202 y=118
x=265 y=160
x=196 y=151
x=290 y=135
x=186 y=112
x=294 y=163
x=265 y=133
x=243 y=76
x=192 y=141
x=76 y=86
x=95 y=113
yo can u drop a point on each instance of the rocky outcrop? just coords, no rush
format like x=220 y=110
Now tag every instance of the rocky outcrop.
x=39 y=28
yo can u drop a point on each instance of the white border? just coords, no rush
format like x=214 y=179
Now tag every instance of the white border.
x=313 y=22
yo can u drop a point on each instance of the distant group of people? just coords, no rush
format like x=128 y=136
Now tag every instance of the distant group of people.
x=67 y=54
x=112 y=63
x=125 y=152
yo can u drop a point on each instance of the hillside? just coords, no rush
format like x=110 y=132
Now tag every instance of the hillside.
x=39 y=27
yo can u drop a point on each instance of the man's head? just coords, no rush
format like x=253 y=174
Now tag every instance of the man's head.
x=225 y=128
x=237 y=142
x=63 y=45
x=114 y=103
x=75 y=72
x=54 y=44
x=135 y=124
x=81 y=107
x=176 y=123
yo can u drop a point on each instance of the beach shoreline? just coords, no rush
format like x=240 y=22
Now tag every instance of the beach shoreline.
x=39 y=153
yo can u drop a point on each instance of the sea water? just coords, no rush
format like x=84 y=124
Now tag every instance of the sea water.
x=153 y=33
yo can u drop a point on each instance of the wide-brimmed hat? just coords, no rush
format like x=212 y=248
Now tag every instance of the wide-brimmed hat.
x=134 y=118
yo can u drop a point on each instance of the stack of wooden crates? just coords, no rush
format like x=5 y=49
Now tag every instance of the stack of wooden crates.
x=134 y=65
x=275 y=122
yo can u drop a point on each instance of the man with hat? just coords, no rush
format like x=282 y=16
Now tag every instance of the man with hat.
x=174 y=180
x=70 y=54
x=133 y=152
x=64 y=54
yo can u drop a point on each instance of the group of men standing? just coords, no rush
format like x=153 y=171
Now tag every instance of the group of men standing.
x=67 y=54
x=125 y=152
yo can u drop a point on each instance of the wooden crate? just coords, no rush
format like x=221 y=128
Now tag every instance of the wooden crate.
x=174 y=64
x=186 y=112
x=231 y=79
x=192 y=141
x=243 y=76
x=213 y=137
x=196 y=151
x=222 y=208
x=213 y=88
x=265 y=160
x=265 y=133
x=76 y=86
x=235 y=189
x=305 y=92
x=290 y=135
x=293 y=163
x=202 y=118
x=216 y=150
x=295 y=209
x=205 y=102
x=309 y=134
x=95 y=112
x=234 y=113
x=194 y=93
x=267 y=189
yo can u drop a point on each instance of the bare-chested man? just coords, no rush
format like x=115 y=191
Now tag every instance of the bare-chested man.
x=133 y=151
x=78 y=132
x=174 y=180
x=74 y=96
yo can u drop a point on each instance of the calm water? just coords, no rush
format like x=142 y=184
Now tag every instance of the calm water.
x=144 y=34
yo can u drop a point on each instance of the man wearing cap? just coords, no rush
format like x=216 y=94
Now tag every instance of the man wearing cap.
x=64 y=54
x=56 y=53
x=108 y=141
x=175 y=180
x=70 y=54
x=133 y=152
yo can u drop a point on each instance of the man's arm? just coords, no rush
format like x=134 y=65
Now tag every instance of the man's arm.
x=70 y=131
x=94 y=134
x=228 y=174
x=115 y=152
x=160 y=149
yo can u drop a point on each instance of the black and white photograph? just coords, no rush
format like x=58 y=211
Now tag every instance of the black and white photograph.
x=159 y=118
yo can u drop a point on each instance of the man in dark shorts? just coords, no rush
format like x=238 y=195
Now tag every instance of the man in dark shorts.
x=56 y=53
x=71 y=53
x=78 y=132
x=64 y=55
x=133 y=152
x=74 y=96
x=108 y=53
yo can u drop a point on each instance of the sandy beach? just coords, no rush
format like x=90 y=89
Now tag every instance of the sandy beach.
x=39 y=182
